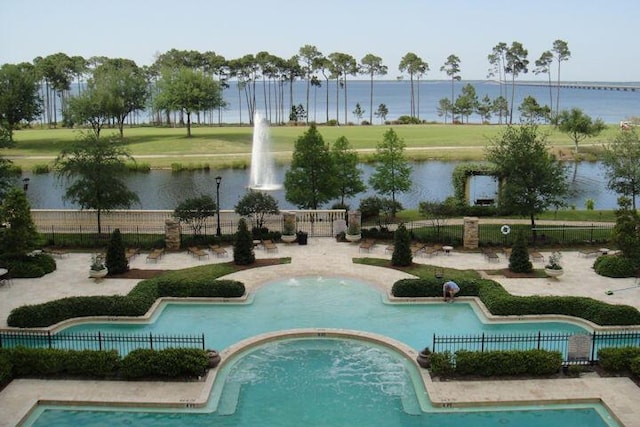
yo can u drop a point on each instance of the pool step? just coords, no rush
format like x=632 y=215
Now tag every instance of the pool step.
x=410 y=404
x=229 y=398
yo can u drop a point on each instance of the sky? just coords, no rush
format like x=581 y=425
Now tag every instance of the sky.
x=601 y=35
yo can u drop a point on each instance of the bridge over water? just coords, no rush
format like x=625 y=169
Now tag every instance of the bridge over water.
x=622 y=87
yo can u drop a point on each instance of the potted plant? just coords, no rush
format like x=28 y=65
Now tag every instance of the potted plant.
x=424 y=358
x=553 y=267
x=353 y=232
x=98 y=268
x=289 y=228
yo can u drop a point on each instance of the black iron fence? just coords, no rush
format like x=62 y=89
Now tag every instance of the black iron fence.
x=576 y=348
x=123 y=343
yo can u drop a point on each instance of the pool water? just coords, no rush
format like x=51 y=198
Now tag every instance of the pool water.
x=319 y=302
x=323 y=382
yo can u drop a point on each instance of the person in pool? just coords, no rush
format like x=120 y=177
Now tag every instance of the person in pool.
x=449 y=290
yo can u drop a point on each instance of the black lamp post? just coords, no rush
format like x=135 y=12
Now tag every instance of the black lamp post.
x=25 y=184
x=218 y=181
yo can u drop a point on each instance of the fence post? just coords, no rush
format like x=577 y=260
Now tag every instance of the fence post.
x=99 y=341
x=203 y=346
x=49 y=341
x=539 y=337
x=482 y=344
x=151 y=340
x=594 y=338
x=433 y=343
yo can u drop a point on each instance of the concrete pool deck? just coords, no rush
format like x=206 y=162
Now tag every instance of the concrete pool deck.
x=323 y=257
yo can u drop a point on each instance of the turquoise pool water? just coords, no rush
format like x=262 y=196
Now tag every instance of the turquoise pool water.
x=323 y=382
x=321 y=302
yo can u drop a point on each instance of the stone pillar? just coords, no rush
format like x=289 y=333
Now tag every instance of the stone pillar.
x=471 y=238
x=172 y=235
x=354 y=224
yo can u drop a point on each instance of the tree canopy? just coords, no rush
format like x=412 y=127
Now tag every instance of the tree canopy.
x=347 y=174
x=93 y=168
x=622 y=162
x=21 y=235
x=256 y=205
x=19 y=100
x=195 y=211
x=578 y=125
x=532 y=178
x=392 y=173
x=310 y=181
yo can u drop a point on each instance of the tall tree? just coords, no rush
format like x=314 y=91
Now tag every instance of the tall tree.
x=371 y=65
x=58 y=71
x=543 y=65
x=310 y=181
x=533 y=179
x=497 y=61
x=343 y=65
x=188 y=90
x=561 y=49
x=392 y=173
x=622 y=163
x=347 y=175
x=21 y=235
x=533 y=112
x=452 y=68
x=467 y=102
x=94 y=169
x=125 y=85
x=309 y=56
x=578 y=125
x=19 y=100
x=324 y=66
x=516 y=63
x=90 y=107
x=416 y=67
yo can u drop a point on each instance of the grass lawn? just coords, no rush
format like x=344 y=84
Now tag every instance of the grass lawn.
x=222 y=147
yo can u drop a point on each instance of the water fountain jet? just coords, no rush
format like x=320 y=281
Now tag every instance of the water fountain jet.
x=262 y=176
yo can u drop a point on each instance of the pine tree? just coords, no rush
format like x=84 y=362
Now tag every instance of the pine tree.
x=519 y=260
x=402 y=248
x=243 y=248
x=116 y=258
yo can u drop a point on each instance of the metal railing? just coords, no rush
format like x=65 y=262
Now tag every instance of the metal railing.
x=576 y=348
x=123 y=343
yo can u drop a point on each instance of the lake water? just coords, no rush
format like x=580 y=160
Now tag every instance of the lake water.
x=431 y=181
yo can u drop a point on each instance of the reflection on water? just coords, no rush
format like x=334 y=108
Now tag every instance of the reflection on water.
x=431 y=181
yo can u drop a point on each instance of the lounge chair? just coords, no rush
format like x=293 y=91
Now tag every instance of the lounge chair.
x=269 y=246
x=589 y=252
x=197 y=252
x=218 y=250
x=417 y=248
x=155 y=255
x=536 y=256
x=430 y=251
x=58 y=253
x=131 y=253
x=389 y=249
x=367 y=244
x=491 y=255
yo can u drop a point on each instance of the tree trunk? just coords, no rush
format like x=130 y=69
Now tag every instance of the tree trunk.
x=188 y=124
x=371 y=101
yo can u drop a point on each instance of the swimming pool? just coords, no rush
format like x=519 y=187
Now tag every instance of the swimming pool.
x=323 y=382
x=321 y=302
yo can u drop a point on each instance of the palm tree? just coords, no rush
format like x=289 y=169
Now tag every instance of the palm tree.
x=372 y=65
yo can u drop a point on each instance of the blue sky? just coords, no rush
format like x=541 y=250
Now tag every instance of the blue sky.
x=601 y=34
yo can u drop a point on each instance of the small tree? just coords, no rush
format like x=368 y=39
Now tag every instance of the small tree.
x=626 y=233
x=358 y=112
x=195 y=212
x=347 y=173
x=20 y=236
x=256 y=205
x=382 y=112
x=622 y=162
x=116 y=258
x=401 y=256
x=243 y=248
x=578 y=125
x=519 y=260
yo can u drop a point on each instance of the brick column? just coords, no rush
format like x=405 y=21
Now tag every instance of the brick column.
x=172 y=235
x=471 y=237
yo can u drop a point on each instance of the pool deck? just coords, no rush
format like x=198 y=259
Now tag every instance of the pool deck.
x=322 y=257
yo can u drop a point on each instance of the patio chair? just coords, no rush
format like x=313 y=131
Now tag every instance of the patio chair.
x=58 y=253
x=155 y=255
x=417 y=248
x=536 y=256
x=490 y=254
x=269 y=246
x=367 y=244
x=589 y=252
x=218 y=250
x=197 y=252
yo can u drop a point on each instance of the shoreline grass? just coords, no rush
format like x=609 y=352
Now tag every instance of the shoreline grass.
x=230 y=147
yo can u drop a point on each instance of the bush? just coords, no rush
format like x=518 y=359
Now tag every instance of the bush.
x=402 y=255
x=508 y=363
x=614 y=266
x=617 y=359
x=117 y=262
x=6 y=368
x=92 y=363
x=431 y=287
x=200 y=288
x=37 y=362
x=26 y=266
x=243 y=248
x=442 y=364
x=168 y=363
x=634 y=366
x=519 y=259
x=408 y=120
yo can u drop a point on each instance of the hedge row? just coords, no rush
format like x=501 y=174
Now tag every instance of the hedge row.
x=499 y=302
x=620 y=359
x=136 y=303
x=497 y=363
x=24 y=362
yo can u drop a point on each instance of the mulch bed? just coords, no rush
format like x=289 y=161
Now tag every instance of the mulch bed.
x=141 y=274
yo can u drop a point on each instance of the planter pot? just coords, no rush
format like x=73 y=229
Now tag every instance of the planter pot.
x=553 y=273
x=214 y=358
x=98 y=274
x=288 y=238
x=424 y=360
x=353 y=237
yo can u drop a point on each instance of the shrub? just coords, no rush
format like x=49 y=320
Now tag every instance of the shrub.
x=402 y=255
x=617 y=359
x=36 y=362
x=431 y=287
x=408 y=120
x=116 y=258
x=507 y=363
x=25 y=266
x=634 y=366
x=243 y=248
x=614 y=266
x=519 y=259
x=92 y=363
x=200 y=287
x=6 y=368
x=442 y=364
x=167 y=363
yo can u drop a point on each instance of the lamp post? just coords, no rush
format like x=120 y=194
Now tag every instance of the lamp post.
x=218 y=181
x=25 y=184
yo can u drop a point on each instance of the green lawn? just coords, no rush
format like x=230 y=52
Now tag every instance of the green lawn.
x=231 y=146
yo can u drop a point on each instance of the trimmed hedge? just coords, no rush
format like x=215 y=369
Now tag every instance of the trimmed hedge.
x=508 y=363
x=25 y=266
x=616 y=266
x=136 y=303
x=21 y=362
x=618 y=359
x=168 y=363
x=499 y=302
